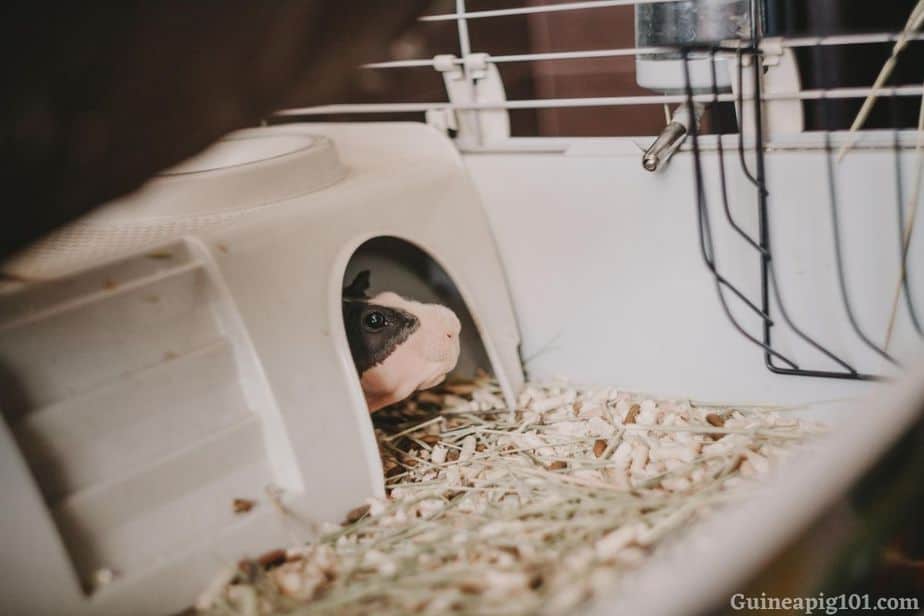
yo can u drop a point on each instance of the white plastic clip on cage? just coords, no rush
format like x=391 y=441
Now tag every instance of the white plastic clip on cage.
x=188 y=351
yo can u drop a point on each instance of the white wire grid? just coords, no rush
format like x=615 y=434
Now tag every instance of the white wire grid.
x=462 y=16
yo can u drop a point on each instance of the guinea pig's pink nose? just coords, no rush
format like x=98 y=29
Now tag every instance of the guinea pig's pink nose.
x=444 y=330
x=453 y=326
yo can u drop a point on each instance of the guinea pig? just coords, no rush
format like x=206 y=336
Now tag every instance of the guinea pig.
x=398 y=345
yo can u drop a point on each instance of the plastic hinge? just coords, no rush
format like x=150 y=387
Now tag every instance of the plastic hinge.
x=473 y=80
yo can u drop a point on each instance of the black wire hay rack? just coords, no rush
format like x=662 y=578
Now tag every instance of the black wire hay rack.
x=762 y=312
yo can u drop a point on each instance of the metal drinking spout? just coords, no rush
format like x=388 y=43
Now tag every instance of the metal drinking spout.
x=670 y=138
x=664 y=146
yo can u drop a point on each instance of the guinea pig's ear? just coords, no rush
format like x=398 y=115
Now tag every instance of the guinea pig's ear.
x=357 y=288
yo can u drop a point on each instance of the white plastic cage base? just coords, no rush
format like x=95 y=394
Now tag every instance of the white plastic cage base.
x=143 y=396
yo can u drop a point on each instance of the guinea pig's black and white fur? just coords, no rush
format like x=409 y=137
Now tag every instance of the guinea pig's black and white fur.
x=398 y=345
x=373 y=331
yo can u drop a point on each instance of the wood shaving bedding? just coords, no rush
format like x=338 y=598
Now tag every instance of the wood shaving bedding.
x=532 y=511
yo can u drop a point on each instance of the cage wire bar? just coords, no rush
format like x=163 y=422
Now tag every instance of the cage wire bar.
x=770 y=289
x=461 y=16
x=601 y=101
x=788 y=43
x=904 y=230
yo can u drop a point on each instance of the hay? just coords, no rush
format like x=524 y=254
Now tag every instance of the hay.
x=531 y=511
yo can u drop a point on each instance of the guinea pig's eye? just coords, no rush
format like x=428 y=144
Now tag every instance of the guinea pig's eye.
x=375 y=321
